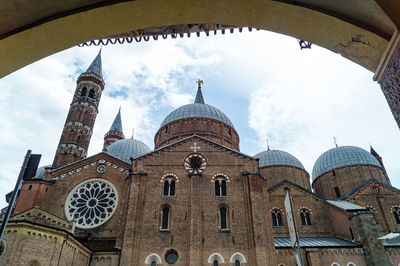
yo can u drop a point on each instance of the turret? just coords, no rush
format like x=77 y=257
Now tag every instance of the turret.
x=78 y=127
x=115 y=133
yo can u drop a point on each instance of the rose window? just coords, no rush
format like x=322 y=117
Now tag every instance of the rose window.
x=195 y=164
x=91 y=203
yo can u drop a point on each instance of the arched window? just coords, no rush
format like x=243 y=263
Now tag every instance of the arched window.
x=153 y=260
x=169 y=186
x=396 y=213
x=223 y=218
x=91 y=93
x=305 y=217
x=78 y=140
x=83 y=91
x=237 y=259
x=165 y=218
x=276 y=217
x=220 y=186
x=215 y=263
x=215 y=258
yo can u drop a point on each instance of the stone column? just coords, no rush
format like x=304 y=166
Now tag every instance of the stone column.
x=388 y=76
x=366 y=233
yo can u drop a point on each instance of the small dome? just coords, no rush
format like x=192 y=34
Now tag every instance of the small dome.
x=277 y=157
x=124 y=149
x=194 y=110
x=340 y=157
x=40 y=171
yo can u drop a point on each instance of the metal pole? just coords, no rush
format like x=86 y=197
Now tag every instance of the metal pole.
x=297 y=248
x=14 y=194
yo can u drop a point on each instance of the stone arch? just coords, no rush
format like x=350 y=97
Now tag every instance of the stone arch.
x=335 y=264
x=237 y=256
x=169 y=175
x=219 y=174
x=152 y=257
x=215 y=256
x=300 y=22
x=351 y=264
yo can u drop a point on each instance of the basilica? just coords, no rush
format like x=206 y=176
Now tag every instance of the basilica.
x=195 y=199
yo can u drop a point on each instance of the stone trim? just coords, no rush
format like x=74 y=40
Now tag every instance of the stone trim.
x=220 y=174
x=93 y=164
x=162 y=180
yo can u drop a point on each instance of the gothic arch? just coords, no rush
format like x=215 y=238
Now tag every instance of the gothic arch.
x=152 y=257
x=237 y=256
x=215 y=256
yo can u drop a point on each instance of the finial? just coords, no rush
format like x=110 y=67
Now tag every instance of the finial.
x=268 y=145
x=335 y=141
x=133 y=133
x=199 y=95
x=199 y=82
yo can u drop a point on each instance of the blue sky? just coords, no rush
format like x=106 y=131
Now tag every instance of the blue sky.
x=266 y=85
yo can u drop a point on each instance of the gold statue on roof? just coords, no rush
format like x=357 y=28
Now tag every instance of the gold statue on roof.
x=199 y=82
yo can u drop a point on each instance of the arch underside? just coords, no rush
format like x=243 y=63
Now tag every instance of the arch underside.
x=359 y=44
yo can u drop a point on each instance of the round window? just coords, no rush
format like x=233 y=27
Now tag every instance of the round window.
x=91 y=203
x=195 y=163
x=171 y=257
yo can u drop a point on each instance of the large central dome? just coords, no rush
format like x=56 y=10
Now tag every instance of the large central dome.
x=197 y=118
x=200 y=110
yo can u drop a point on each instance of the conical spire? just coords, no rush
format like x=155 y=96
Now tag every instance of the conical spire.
x=117 y=124
x=95 y=66
x=199 y=95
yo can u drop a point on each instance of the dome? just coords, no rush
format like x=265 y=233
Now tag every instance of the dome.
x=124 y=149
x=340 y=157
x=195 y=110
x=277 y=157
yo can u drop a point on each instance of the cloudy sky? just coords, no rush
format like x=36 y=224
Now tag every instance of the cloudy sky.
x=266 y=85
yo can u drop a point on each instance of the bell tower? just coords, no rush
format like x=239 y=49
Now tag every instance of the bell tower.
x=78 y=127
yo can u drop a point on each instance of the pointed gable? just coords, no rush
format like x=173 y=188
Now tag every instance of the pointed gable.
x=87 y=163
x=363 y=186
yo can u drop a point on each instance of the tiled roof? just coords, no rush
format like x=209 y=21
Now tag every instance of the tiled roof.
x=277 y=157
x=344 y=205
x=340 y=157
x=320 y=241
